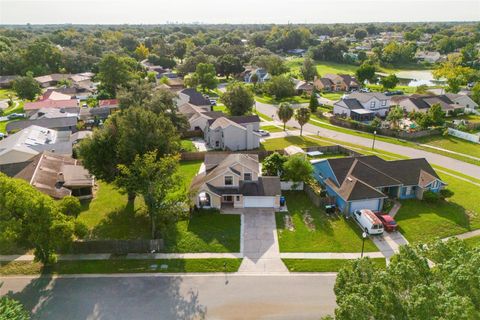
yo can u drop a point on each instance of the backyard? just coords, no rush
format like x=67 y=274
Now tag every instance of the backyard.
x=315 y=231
x=109 y=216
x=423 y=220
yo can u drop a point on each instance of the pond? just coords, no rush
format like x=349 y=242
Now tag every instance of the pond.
x=415 y=78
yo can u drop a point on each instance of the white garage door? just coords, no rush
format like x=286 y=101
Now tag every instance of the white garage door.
x=258 y=202
x=365 y=204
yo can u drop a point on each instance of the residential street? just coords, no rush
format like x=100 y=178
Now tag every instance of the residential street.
x=446 y=162
x=175 y=297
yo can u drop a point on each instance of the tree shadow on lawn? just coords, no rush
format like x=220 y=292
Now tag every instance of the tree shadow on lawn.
x=110 y=298
x=126 y=223
x=204 y=231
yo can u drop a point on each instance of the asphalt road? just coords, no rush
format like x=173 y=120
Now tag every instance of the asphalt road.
x=175 y=297
x=446 y=162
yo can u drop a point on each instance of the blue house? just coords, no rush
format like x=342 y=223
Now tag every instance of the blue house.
x=365 y=182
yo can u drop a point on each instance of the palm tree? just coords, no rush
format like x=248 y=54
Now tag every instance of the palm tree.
x=302 y=116
x=285 y=113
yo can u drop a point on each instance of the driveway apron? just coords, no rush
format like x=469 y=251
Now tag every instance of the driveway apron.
x=260 y=243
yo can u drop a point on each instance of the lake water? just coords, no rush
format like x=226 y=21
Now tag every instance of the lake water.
x=415 y=78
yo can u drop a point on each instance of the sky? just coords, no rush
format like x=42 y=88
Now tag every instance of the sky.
x=234 y=11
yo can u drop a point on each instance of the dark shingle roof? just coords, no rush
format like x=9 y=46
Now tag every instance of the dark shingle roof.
x=352 y=104
x=50 y=123
x=239 y=119
x=196 y=98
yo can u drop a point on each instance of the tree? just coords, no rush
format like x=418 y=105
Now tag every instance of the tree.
x=366 y=72
x=207 y=77
x=272 y=63
x=273 y=165
x=11 y=309
x=114 y=72
x=229 y=64
x=360 y=34
x=297 y=168
x=313 y=103
x=280 y=87
x=476 y=93
x=302 y=115
x=179 y=49
x=308 y=70
x=409 y=288
x=26 y=87
x=285 y=113
x=395 y=115
x=238 y=99
x=133 y=131
x=389 y=82
x=455 y=74
x=421 y=89
x=437 y=115
x=160 y=184
x=42 y=57
x=32 y=219
x=254 y=79
x=135 y=93
x=70 y=206
x=141 y=52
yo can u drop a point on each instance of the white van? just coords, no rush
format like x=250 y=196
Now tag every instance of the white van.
x=368 y=221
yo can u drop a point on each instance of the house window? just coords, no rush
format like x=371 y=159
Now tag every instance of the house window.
x=217 y=144
x=228 y=180
x=227 y=198
x=247 y=176
x=372 y=104
x=384 y=102
x=238 y=198
x=408 y=191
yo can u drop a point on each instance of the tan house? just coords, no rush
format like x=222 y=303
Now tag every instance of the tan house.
x=342 y=82
x=234 y=180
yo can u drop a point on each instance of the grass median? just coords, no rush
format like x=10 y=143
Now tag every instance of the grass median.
x=121 y=266
x=324 y=265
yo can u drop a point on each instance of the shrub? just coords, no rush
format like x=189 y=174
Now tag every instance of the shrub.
x=80 y=229
x=446 y=193
x=431 y=196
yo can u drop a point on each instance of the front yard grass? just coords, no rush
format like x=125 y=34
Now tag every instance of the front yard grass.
x=423 y=221
x=205 y=231
x=329 y=234
x=6 y=93
x=325 y=265
x=473 y=242
x=281 y=143
x=334 y=96
x=271 y=100
x=120 y=266
x=109 y=216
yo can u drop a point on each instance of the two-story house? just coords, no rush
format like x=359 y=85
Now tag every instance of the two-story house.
x=234 y=180
x=342 y=82
x=363 y=106
x=233 y=133
x=422 y=102
x=365 y=182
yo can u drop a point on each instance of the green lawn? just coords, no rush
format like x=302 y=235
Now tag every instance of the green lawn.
x=379 y=88
x=453 y=144
x=205 y=232
x=262 y=116
x=324 y=265
x=3 y=126
x=6 y=93
x=17 y=108
x=334 y=96
x=187 y=145
x=121 y=266
x=331 y=234
x=423 y=221
x=271 y=128
x=188 y=170
x=323 y=67
x=281 y=143
x=270 y=100
x=473 y=242
x=220 y=107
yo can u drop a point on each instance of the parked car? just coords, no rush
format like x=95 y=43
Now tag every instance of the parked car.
x=213 y=102
x=15 y=116
x=263 y=133
x=393 y=93
x=364 y=90
x=368 y=221
x=389 y=224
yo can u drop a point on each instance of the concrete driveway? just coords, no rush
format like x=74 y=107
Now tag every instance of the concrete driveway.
x=260 y=243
